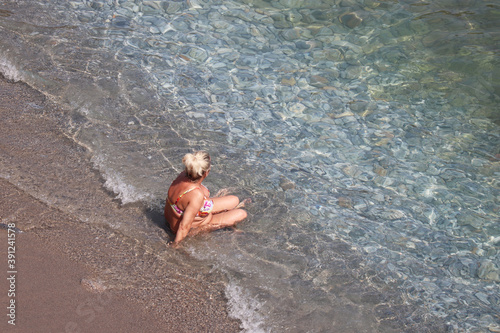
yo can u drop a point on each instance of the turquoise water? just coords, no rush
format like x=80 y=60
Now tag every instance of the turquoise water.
x=365 y=132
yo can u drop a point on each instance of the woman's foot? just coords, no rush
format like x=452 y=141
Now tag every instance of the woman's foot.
x=222 y=192
x=243 y=203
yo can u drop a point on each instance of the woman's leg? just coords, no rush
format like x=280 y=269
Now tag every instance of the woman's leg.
x=224 y=220
x=225 y=203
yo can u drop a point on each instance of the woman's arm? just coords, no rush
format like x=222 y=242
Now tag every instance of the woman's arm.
x=193 y=206
x=205 y=191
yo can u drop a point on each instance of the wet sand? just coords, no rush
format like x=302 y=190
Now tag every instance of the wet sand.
x=63 y=251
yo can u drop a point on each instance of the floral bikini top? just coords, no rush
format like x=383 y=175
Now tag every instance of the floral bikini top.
x=206 y=209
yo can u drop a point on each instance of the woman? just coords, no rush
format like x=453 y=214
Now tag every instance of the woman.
x=189 y=207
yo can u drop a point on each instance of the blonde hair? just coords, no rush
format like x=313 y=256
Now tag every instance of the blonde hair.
x=196 y=164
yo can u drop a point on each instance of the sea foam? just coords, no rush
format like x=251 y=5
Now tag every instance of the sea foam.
x=244 y=307
x=9 y=71
x=114 y=182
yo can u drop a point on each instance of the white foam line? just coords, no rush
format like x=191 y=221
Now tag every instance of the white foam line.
x=9 y=70
x=126 y=193
x=246 y=308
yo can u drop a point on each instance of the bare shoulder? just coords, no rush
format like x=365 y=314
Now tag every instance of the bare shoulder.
x=196 y=195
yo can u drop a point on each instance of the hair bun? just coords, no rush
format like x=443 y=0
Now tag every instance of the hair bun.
x=196 y=164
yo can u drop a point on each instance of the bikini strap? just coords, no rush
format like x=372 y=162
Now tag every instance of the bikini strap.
x=180 y=196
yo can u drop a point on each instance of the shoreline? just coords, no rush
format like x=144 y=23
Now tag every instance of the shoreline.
x=69 y=260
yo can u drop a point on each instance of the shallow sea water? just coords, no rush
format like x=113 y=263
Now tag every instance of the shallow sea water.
x=365 y=133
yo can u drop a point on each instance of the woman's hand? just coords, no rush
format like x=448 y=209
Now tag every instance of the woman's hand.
x=174 y=245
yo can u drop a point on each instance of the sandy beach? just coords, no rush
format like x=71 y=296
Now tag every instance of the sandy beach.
x=61 y=251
